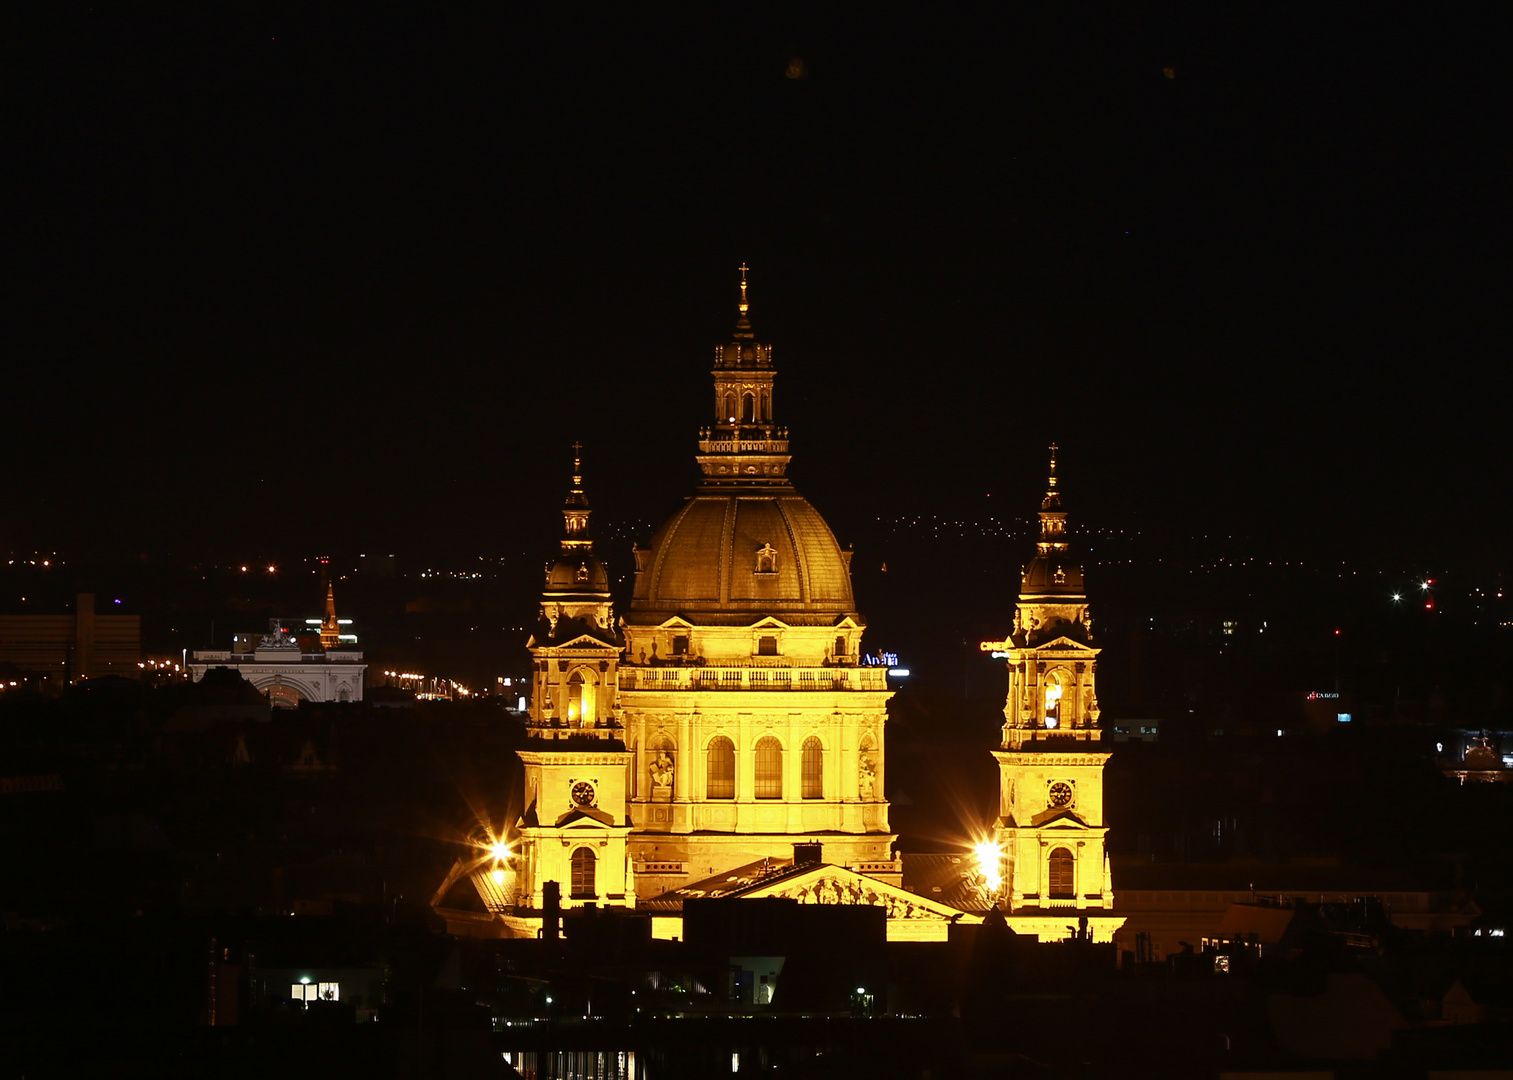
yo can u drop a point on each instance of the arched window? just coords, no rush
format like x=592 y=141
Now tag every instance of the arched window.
x=814 y=768
x=1052 y=702
x=1063 y=875
x=721 y=769
x=748 y=408
x=769 y=768
x=730 y=407
x=584 y=887
x=580 y=701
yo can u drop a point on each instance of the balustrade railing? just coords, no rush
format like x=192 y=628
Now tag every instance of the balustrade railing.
x=742 y=677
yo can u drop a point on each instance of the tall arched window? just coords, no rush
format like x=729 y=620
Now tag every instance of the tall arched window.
x=1063 y=875
x=769 y=768
x=814 y=768
x=721 y=769
x=584 y=887
x=580 y=701
x=1052 y=702
x=730 y=406
x=748 y=408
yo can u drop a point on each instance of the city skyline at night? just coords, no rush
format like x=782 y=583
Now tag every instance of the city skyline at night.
x=338 y=727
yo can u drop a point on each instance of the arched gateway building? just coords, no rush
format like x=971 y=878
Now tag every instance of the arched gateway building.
x=721 y=738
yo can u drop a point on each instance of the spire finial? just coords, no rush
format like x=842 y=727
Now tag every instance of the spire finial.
x=744 y=305
x=1053 y=467
x=577 y=463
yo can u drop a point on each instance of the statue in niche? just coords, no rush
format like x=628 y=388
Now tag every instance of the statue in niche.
x=866 y=779
x=1018 y=621
x=661 y=776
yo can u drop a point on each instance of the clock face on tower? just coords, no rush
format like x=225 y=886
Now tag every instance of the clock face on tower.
x=583 y=793
x=1061 y=794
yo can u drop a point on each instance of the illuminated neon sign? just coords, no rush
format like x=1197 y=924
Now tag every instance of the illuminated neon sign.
x=995 y=646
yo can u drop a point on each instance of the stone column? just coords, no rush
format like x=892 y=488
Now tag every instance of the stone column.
x=686 y=758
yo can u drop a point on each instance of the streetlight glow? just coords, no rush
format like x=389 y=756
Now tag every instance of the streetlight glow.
x=989 y=864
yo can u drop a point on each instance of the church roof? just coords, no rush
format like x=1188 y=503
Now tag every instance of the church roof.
x=949 y=878
x=570 y=632
x=577 y=572
x=1052 y=575
x=747 y=553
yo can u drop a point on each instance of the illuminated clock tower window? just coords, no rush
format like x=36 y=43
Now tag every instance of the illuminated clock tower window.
x=1062 y=874
x=583 y=874
x=1053 y=704
x=580 y=702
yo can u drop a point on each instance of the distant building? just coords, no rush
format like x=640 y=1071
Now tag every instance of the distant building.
x=277 y=666
x=67 y=648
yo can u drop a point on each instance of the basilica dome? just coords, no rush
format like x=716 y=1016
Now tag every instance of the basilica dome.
x=746 y=546
x=734 y=556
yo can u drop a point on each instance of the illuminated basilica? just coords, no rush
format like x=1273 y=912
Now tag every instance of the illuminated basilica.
x=722 y=738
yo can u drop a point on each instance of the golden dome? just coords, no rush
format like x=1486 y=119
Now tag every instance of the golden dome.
x=576 y=572
x=733 y=557
x=1052 y=575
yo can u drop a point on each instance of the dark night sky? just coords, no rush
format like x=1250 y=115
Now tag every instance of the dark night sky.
x=286 y=277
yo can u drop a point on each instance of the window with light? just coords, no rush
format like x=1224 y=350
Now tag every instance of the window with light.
x=814 y=768
x=769 y=768
x=721 y=775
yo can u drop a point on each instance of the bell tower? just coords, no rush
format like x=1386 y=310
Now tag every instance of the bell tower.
x=330 y=629
x=1051 y=830
x=575 y=827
